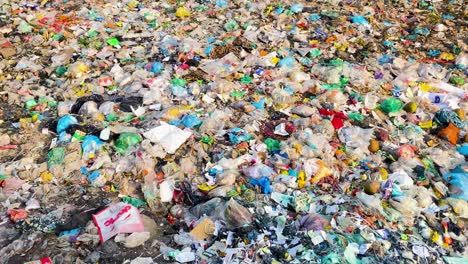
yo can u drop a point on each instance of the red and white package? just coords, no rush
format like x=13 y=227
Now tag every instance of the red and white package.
x=118 y=218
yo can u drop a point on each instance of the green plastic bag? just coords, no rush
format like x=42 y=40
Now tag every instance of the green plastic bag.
x=231 y=25
x=179 y=82
x=391 y=105
x=113 y=41
x=127 y=140
x=272 y=144
x=355 y=116
x=55 y=156
x=133 y=201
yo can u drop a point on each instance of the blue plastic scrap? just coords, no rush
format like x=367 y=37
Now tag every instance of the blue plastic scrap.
x=191 y=120
x=91 y=144
x=359 y=20
x=458 y=178
x=288 y=62
x=65 y=122
x=297 y=8
x=263 y=183
x=238 y=135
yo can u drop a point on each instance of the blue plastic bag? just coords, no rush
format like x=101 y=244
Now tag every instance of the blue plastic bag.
x=386 y=58
x=208 y=49
x=315 y=17
x=190 y=121
x=263 y=183
x=157 y=67
x=65 y=122
x=463 y=149
x=94 y=175
x=444 y=117
x=91 y=144
x=458 y=178
x=73 y=233
x=64 y=137
x=260 y=104
x=238 y=135
x=422 y=31
x=96 y=179
x=179 y=91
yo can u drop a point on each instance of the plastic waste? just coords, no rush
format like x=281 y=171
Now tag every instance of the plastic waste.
x=127 y=140
x=245 y=131
x=190 y=121
x=55 y=157
x=458 y=179
x=313 y=222
x=118 y=218
x=391 y=105
x=90 y=145
x=359 y=20
x=157 y=67
x=263 y=183
x=65 y=122
x=168 y=136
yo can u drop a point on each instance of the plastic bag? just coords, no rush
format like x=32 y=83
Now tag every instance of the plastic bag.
x=90 y=145
x=65 y=122
x=313 y=222
x=355 y=137
x=168 y=136
x=263 y=183
x=391 y=105
x=458 y=179
x=402 y=178
x=118 y=218
x=231 y=212
x=238 y=135
x=190 y=121
x=55 y=156
x=126 y=140
x=127 y=103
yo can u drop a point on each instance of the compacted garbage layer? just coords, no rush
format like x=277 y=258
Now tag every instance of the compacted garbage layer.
x=219 y=131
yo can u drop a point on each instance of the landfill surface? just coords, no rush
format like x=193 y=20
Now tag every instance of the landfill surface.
x=228 y=131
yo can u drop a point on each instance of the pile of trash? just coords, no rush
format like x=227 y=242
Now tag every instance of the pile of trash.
x=227 y=131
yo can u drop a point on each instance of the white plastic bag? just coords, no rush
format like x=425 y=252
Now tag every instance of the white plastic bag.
x=168 y=136
x=118 y=218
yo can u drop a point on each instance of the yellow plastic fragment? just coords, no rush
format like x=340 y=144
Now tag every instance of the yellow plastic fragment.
x=182 y=12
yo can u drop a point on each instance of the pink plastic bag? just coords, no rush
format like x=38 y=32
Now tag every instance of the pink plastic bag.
x=118 y=218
